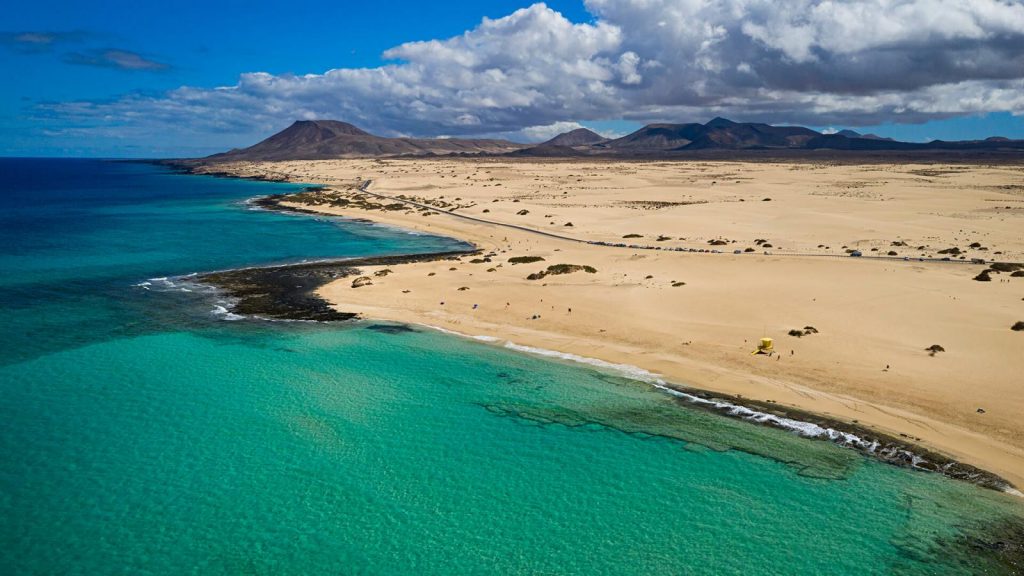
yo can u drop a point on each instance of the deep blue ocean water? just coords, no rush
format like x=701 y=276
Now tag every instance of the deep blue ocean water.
x=142 y=432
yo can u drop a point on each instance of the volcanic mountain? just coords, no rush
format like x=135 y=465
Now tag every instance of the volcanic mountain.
x=324 y=139
x=720 y=133
x=578 y=142
x=723 y=134
x=577 y=137
x=716 y=134
x=855 y=134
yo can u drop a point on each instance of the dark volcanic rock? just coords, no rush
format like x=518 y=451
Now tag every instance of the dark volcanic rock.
x=870 y=442
x=289 y=292
x=391 y=328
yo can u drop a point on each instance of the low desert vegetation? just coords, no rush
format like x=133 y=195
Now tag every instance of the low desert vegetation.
x=524 y=259
x=557 y=269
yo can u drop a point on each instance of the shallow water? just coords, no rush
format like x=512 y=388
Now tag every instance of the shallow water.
x=141 y=432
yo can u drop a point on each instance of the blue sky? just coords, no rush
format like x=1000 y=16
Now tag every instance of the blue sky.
x=105 y=78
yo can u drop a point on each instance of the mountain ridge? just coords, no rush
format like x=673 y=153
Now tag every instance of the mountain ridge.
x=577 y=137
x=326 y=139
x=721 y=134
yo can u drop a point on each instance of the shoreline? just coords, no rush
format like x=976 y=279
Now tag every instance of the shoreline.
x=870 y=443
x=289 y=291
x=303 y=301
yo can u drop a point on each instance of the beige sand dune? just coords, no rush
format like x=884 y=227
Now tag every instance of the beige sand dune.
x=867 y=363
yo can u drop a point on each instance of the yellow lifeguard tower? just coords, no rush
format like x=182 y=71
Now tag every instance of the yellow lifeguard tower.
x=766 y=346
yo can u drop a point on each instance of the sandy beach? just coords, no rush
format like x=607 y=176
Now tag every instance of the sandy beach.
x=695 y=318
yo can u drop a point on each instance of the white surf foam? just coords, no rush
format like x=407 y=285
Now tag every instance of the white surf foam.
x=224 y=313
x=162 y=283
x=808 y=429
x=479 y=337
x=631 y=371
x=800 y=427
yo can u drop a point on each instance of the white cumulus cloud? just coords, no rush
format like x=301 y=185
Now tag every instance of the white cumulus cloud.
x=542 y=133
x=815 y=61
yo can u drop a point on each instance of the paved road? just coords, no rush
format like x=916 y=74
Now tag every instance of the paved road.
x=366 y=184
x=364 y=187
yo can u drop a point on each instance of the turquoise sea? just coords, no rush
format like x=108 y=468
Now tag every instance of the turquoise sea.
x=143 y=432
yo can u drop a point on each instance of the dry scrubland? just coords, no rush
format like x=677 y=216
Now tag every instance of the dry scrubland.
x=695 y=317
